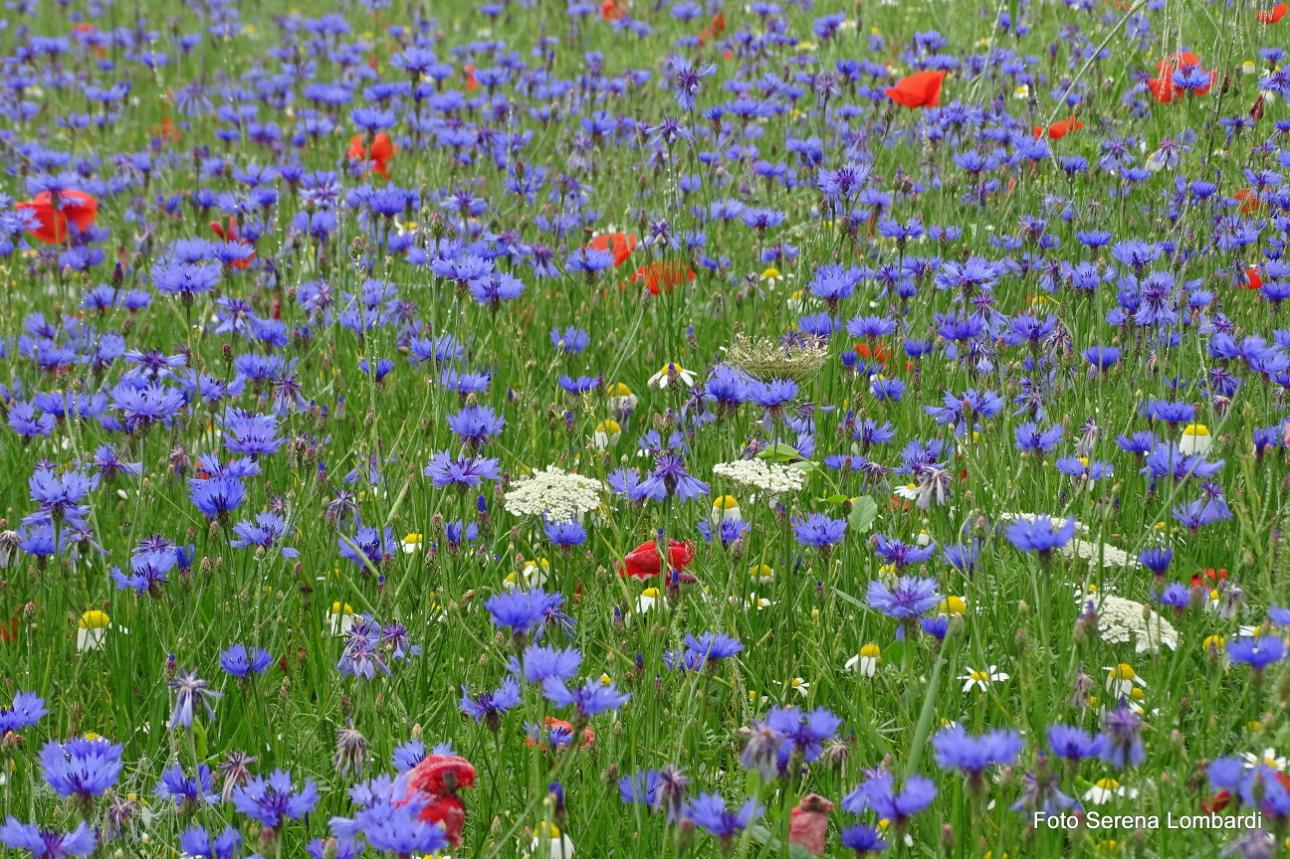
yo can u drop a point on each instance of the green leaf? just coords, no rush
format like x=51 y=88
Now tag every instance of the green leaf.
x=864 y=510
x=832 y=500
x=780 y=453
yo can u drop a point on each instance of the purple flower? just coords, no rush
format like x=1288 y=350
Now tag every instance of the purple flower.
x=1041 y=535
x=709 y=813
x=900 y=554
x=1258 y=652
x=46 y=844
x=176 y=786
x=819 y=530
x=1075 y=744
x=462 y=472
x=910 y=598
x=490 y=706
x=590 y=699
x=863 y=840
x=1121 y=730
x=190 y=692
x=879 y=794
x=81 y=768
x=241 y=661
x=272 y=801
x=195 y=842
x=26 y=710
x=523 y=612
x=956 y=749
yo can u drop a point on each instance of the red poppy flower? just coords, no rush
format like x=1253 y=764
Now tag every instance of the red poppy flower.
x=1252 y=279
x=472 y=83
x=621 y=245
x=449 y=812
x=663 y=276
x=442 y=775
x=612 y=10
x=643 y=562
x=378 y=155
x=1210 y=576
x=230 y=234
x=877 y=352
x=715 y=28
x=1249 y=201
x=809 y=823
x=588 y=735
x=77 y=207
x=1059 y=129
x=1216 y=803
x=1162 y=85
x=9 y=632
x=921 y=89
x=1276 y=13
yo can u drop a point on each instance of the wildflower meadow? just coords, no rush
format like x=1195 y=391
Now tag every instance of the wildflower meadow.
x=644 y=428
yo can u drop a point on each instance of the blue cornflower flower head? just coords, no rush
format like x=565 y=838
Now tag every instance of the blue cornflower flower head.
x=462 y=472
x=197 y=843
x=773 y=395
x=251 y=434
x=1200 y=512
x=1082 y=467
x=185 y=279
x=1075 y=744
x=570 y=340
x=1101 y=357
x=413 y=752
x=241 y=661
x=456 y=532
x=684 y=78
x=369 y=546
x=804 y=733
x=81 y=768
x=1169 y=412
x=109 y=466
x=1139 y=444
x=475 y=425
x=956 y=749
x=900 y=554
x=1256 y=651
x=539 y=663
x=218 y=496
x=176 y=786
x=272 y=801
x=190 y=692
x=494 y=288
x=704 y=650
x=1259 y=786
x=669 y=477
x=1031 y=439
x=26 y=710
x=591 y=698
x=45 y=843
x=60 y=496
x=565 y=535
x=29 y=423
x=728 y=387
x=729 y=531
x=910 y=598
x=819 y=530
x=266 y=531
x=579 y=385
x=834 y=284
x=1279 y=617
x=887 y=390
x=1040 y=534
x=1177 y=596
x=641 y=788
x=960 y=410
x=395 y=827
x=709 y=813
x=589 y=260
x=864 y=840
x=879 y=794
x=963 y=558
x=1156 y=559
x=1121 y=734
x=524 y=613
x=489 y=707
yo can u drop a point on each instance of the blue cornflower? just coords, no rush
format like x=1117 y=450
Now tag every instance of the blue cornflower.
x=900 y=554
x=1074 y=744
x=60 y=496
x=819 y=530
x=669 y=477
x=540 y=663
x=641 y=787
x=910 y=598
x=241 y=661
x=195 y=842
x=190 y=692
x=81 y=768
x=709 y=813
x=887 y=389
x=1257 y=651
x=956 y=749
x=963 y=558
x=565 y=535
x=47 y=844
x=475 y=425
x=462 y=472
x=1121 y=731
x=704 y=650
x=570 y=340
x=1041 y=535
x=863 y=839
x=185 y=791
x=369 y=546
x=879 y=793
x=589 y=699
x=1080 y=467
x=490 y=706
x=1031 y=439
x=1101 y=357
x=523 y=612
x=272 y=801
x=216 y=497
x=1156 y=559
x=251 y=435
x=395 y=827
x=26 y=710
x=266 y=532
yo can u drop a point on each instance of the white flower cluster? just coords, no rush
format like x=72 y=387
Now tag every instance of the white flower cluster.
x=773 y=478
x=554 y=494
x=1106 y=554
x=1120 y=621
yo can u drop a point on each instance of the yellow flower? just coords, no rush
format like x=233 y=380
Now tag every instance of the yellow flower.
x=94 y=619
x=952 y=605
x=1213 y=644
x=618 y=389
x=772 y=274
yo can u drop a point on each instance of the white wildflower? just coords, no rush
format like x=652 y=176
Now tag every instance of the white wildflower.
x=553 y=494
x=773 y=478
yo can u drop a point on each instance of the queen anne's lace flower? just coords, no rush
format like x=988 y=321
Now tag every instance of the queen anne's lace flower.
x=773 y=478
x=553 y=494
x=1121 y=621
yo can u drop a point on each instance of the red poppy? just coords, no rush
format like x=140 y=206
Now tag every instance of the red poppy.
x=9 y=632
x=1276 y=13
x=621 y=245
x=1249 y=201
x=449 y=812
x=378 y=155
x=77 y=207
x=1209 y=577
x=643 y=562
x=808 y=824
x=663 y=276
x=1216 y=803
x=1059 y=129
x=588 y=735
x=921 y=89
x=1252 y=279
x=1162 y=85
x=435 y=782
x=877 y=352
x=472 y=83
x=612 y=10
x=230 y=234
x=715 y=28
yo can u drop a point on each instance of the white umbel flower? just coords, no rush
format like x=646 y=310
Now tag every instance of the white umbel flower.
x=1121 y=621
x=553 y=494
x=772 y=478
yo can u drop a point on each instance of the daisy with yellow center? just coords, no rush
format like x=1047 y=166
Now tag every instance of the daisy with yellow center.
x=669 y=374
x=1121 y=680
x=340 y=618
x=981 y=680
x=725 y=507
x=606 y=435
x=411 y=543
x=865 y=663
x=1106 y=789
x=1195 y=441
